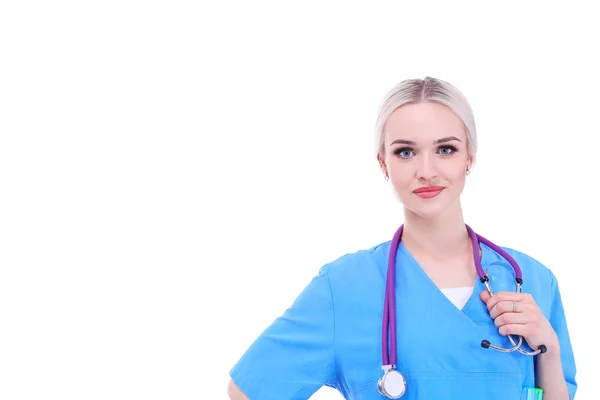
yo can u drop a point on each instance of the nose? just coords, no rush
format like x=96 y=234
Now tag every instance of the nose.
x=427 y=170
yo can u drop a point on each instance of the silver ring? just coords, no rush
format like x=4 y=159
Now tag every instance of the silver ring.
x=515 y=306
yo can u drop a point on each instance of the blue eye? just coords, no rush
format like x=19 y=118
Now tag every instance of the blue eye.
x=404 y=152
x=446 y=150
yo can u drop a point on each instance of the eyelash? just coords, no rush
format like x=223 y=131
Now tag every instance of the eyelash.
x=403 y=149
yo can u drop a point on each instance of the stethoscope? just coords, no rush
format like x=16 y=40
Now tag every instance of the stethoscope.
x=393 y=384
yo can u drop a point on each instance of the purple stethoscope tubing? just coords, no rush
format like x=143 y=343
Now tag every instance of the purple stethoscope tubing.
x=389 y=309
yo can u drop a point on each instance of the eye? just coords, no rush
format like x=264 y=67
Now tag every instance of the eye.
x=446 y=150
x=404 y=152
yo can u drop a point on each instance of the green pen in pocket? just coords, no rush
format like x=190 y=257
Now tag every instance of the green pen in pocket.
x=532 y=394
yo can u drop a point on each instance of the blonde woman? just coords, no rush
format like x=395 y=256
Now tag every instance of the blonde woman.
x=438 y=312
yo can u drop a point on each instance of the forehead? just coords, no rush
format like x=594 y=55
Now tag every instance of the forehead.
x=423 y=122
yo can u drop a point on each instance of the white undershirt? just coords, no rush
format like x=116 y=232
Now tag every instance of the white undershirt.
x=459 y=295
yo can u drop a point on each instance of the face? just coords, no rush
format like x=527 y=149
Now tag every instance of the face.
x=425 y=156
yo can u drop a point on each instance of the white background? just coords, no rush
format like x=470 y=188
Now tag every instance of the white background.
x=173 y=173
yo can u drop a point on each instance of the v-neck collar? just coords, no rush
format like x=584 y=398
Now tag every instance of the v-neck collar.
x=486 y=257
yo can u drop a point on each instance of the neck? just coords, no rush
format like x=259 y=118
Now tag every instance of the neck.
x=441 y=236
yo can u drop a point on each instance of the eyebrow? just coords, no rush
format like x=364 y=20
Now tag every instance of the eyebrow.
x=410 y=142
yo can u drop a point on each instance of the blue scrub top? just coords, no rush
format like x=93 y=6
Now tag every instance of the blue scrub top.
x=331 y=334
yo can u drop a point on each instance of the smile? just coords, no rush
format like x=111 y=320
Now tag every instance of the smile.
x=428 y=192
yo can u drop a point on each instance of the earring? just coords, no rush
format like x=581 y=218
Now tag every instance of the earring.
x=386 y=177
x=468 y=171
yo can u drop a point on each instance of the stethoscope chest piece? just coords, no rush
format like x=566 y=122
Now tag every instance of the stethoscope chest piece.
x=392 y=384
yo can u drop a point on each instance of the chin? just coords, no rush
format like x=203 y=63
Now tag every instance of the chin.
x=430 y=208
x=428 y=211
x=427 y=214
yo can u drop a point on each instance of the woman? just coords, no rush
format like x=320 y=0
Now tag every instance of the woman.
x=332 y=334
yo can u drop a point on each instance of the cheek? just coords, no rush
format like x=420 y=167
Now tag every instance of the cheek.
x=402 y=176
x=459 y=177
x=457 y=172
x=402 y=183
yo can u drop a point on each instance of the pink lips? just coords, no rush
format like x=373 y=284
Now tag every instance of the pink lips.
x=428 y=192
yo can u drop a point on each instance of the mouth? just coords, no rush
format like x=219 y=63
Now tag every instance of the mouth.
x=428 y=192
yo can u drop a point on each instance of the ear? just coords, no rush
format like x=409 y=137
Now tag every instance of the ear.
x=470 y=162
x=382 y=165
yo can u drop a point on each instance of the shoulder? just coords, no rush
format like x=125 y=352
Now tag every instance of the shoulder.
x=538 y=278
x=359 y=274
x=531 y=266
x=358 y=263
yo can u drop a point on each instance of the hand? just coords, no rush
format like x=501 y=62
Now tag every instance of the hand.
x=518 y=314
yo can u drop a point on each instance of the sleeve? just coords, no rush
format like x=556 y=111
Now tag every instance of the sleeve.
x=294 y=356
x=559 y=323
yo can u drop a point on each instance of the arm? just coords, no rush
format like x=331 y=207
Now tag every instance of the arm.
x=550 y=376
x=294 y=356
x=555 y=369
x=234 y=392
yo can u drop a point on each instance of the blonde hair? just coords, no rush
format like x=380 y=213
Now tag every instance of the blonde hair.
x=412 y=91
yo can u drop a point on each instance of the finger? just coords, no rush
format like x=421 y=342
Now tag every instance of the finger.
x=509 y=296
x=512 y=318
x=485 y=296
x=524 y=330
x=510 y=307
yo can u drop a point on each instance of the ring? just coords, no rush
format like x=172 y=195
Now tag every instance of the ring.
x=515 y=306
